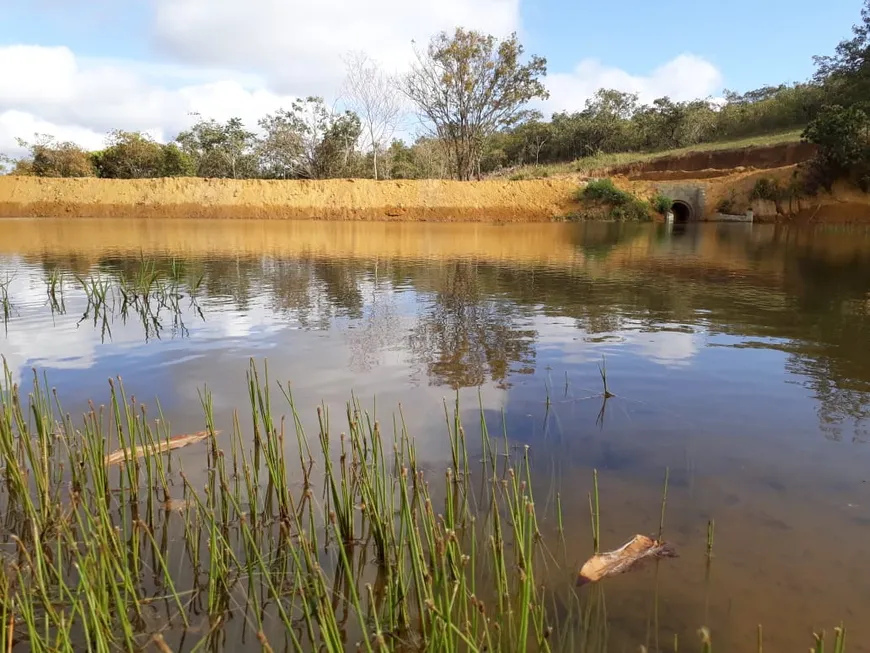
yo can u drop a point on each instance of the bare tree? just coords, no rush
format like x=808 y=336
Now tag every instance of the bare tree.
x=467 y=85
x=375 y=97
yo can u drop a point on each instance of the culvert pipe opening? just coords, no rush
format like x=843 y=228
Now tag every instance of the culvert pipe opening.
x=682 y=211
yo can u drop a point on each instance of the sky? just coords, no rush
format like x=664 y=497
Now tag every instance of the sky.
x=76 y=69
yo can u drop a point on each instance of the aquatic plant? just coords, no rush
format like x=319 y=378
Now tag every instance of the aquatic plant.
x=116 y=541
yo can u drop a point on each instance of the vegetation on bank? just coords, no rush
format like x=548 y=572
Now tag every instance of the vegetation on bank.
x=601 y=163
x=472 y=93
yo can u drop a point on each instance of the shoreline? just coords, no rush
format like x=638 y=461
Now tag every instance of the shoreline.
x=493 y=201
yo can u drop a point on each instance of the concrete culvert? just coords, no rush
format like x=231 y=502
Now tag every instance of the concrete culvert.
x=682 y=211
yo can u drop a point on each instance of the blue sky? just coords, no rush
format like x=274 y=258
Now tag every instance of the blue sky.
x=752 y=42
x=90 y=65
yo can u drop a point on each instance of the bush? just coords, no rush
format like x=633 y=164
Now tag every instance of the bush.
x=623 y=205
x=603 y=190
x=767 y=189
x=49 y=158
x=662 y=203
x=728 y=205
x=843 y=139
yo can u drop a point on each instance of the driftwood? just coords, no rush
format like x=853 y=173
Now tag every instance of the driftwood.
x=629 y=556
x=159 y=446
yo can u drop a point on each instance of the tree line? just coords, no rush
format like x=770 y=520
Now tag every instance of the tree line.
x=471 y=93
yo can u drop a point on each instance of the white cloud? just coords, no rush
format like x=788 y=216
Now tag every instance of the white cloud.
x=225 y=58
x=685 y=77
x=52 y=91
x=298 y=44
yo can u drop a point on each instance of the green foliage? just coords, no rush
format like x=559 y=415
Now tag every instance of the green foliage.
x=662 y=203
x=604 y=190
x=615 y=122
x=842 y=135
x=129 y=155
x=308 y=141
x=768 y=189
x=176 y=163
x=425 y=159
x=623 y=206
x=728 y=204
x=841 y=129
x=468 y=85
x=50 y=158
x=846 y=74
x=220 y=149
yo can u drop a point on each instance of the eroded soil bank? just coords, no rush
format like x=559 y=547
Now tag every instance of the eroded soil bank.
x=334 y=199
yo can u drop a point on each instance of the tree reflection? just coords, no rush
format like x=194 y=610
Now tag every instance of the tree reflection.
x=470 y=320
x=466 y=336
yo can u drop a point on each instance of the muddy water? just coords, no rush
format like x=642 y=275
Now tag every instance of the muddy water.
x=739 y=356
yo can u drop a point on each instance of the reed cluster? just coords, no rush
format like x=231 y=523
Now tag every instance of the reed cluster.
x=278 y=538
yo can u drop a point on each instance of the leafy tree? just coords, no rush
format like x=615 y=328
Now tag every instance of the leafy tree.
x=469 y=85
x=129 y=155
x=846 y=73
x=843 y=138
x=427 y=158
x=220 y=149
x=280 y=149
x=50 y=158
x=175 y=162
x=310 y=140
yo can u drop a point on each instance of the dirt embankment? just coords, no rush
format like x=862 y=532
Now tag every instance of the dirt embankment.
x=717 y=163
x=334 y=199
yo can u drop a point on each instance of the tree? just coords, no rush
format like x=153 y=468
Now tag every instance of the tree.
x=129 y=155
x=843 y=138
x=533 y=136
x=175 y=162
x=469 y=85
x=220 y=149
x=425 y=159
x=50 y=158
x=280 y=149
x=375 y=97
x=846 y=73
x=310 y=140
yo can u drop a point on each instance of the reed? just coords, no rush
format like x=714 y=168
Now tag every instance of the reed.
x=602 y=370
x=5 y=301
x=711 y=527
x=334 y=539
x=595 y=514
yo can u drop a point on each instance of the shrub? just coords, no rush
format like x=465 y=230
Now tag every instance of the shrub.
x=50 y=158
x=728 y=205
x=767 y=189
x=623 y=205
x=603 y=190
x=662 y=203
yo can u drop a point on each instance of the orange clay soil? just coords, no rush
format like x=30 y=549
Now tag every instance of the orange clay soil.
x=333 y=199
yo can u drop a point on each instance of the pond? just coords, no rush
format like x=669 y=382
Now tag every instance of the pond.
x=738 y=357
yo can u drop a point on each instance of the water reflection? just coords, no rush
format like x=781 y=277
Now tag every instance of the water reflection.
x=739 y=356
